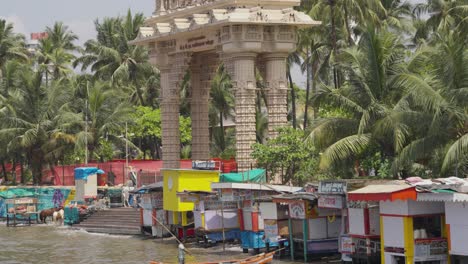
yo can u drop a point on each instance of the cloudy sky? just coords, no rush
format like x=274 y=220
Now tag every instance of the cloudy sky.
x=35 y=15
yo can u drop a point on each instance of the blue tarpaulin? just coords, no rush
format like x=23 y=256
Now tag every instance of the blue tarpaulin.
x=228 y=235
x=84 y=172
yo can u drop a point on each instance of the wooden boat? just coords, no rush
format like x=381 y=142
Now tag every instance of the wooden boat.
x=262 y=258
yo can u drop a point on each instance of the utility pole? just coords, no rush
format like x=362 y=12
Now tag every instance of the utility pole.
x=126 y=150
x=86 y=132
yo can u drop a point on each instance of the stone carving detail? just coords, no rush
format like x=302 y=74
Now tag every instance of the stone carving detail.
x=253 y=32
x=164 y=6
x=236 y=31
x=226 y=33
x=243 y=76
x=268 y=33
x=203 y=68
x=276 y=84
x=171 y=76
x=286 y=33
x=257 y=15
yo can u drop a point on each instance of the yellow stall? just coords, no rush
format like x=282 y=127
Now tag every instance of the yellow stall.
x=180 y=211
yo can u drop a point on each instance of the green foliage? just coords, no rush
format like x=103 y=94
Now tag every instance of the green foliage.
x=105 y=152
x=146 y=122
x=288 y=156
x=185 y=126
x=145 y=130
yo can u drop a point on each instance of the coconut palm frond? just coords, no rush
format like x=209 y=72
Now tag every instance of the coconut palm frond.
x=457 y=153
x=344 y=149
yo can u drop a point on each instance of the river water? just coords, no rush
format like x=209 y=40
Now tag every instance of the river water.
x=50 y=244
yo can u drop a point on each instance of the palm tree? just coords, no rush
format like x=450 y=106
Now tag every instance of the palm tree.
x=222 y=99
x=11 y=45
x=61 y=37
x=111 y=57
x=443 y=15
x=32 y=119
x=55 y=55
x=366 y=96
x=293 y=59
x=106 y=112
x=52 y=61
x=436 y=81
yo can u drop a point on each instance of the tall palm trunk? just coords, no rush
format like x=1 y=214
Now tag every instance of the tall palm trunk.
x=348 y=29
x=140 y=96
x=223 y=133
x=13 y=171
x=36 y=166
x=333 y=39
x=314 y=86
x=293 y=100
x=5 y=174
x=307 y=89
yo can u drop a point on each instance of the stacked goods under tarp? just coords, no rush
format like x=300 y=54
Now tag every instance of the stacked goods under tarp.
x=255 y=175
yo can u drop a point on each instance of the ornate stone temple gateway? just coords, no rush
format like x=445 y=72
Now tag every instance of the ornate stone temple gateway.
x=197 y=36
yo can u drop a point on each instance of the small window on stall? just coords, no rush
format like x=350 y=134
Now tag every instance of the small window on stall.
x=426 y=227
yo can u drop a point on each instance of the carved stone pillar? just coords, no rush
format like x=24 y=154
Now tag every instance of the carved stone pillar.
x=277 y=91
x=171 y=77
x=160 y=7
x=243 y=77
x=202 y=70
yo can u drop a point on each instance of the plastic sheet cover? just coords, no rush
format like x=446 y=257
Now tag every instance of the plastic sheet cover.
x=84 y=172
x=256 y=175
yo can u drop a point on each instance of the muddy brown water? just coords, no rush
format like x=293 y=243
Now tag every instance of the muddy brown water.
x=61 y=245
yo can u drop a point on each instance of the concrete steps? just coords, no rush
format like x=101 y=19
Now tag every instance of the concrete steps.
x=116 y=221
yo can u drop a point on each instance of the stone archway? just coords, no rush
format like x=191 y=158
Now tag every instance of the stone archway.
x=196 y=35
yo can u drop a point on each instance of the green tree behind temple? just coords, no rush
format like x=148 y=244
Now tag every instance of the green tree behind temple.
x=288 y=157
x=111 y=58
x=145 y=131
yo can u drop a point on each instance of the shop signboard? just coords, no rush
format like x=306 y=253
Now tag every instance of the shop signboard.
x=346 y=245
x=297 y=210
x=397 y=250
x=22 y=201
x=330 y=201
x=332 y=187
x=430 y=247
x=271 y=230
x=227 y=195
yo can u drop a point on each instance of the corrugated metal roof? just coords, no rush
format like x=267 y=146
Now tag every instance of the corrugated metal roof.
x=255 y=186
x=381 y=189
x=297 y=196
x=443 y=197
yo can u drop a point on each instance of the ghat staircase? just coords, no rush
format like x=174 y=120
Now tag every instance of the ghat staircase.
x=115 y=221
